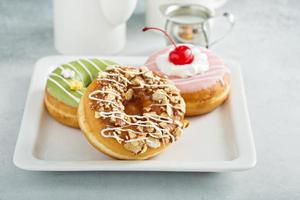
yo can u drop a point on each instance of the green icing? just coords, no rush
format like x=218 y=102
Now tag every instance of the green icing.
x=79 y=73
x=55 y=91
x=109 y=62
x=58 y=86
x=104 y=63
x=94 y=71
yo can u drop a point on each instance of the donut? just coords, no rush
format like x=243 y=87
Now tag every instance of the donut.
x=203 y=90
x=131 y=113
x=66 y=85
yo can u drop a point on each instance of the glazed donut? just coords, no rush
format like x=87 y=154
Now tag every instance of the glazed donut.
x=202 y=91
x=65 y=86
x=131 y=113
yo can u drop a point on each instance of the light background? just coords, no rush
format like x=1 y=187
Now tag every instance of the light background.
x=266 y=43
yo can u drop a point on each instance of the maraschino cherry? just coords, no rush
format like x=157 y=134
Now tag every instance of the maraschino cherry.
x=181 y=55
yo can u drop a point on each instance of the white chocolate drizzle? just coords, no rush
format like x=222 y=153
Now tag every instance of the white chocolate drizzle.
x=148 y=128
x=76 y=99
x=86 y=69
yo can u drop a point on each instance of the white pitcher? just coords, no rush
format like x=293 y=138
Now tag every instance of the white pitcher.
x=91 y=26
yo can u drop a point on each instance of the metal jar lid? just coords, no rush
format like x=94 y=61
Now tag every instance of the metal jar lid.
x=173 y=11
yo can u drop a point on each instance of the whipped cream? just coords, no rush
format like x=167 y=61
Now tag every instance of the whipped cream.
x=199 y=65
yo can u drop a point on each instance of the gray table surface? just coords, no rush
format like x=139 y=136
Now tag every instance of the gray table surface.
x=266 y=41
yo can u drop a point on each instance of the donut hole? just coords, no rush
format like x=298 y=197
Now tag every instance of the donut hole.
x=136 y=105
x=133 y=108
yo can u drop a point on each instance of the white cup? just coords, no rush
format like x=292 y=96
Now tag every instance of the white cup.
x=91 y=26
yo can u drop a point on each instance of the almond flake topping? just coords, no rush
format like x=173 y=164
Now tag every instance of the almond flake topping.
x=162 y=119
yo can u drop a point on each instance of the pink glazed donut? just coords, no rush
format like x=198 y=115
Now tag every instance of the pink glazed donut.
x=202 y=90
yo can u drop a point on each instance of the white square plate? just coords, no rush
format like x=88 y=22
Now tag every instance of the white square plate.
x=219 y=141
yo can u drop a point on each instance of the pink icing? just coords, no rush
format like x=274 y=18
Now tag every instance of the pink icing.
x=216 y=72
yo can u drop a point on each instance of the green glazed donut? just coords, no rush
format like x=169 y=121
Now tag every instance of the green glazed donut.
x=66 y=85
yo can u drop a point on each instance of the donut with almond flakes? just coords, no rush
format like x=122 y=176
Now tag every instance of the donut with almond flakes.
x=131 y=113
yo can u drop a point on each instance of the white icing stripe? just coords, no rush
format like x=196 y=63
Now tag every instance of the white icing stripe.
x=120 y=139
x=159 y=118
x=137 y=139
x=138 y=123
x=121 y=129
x=58 y=76
x=115 y=136
x=61 y=68
x=74 y=68
x=171 y=136
x=153 y=86
x=103 y=100
x=104 y=62
x=66 y=91
x=93 y=64
x=135 y=73
x=105 y=91
x=166 y=119
x=164 y=104
x=158 y=124
x=111 y=80
x=117 y=75
x=119 y=69
x=86 y=69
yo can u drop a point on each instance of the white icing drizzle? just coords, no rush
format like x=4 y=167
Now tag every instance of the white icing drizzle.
x=123 y=129
x=148 y=120
x=117 y=75
x=79 y=92
x=104 y=62
x=111 y=80
x=86 y=69
x=137 y=123
x=137 y=139
x=115 y=136
x=105 y=101
x=165 y=104
x=159 y=118
x=135 y=73
x=74 y=68
x=66 y=91
x=151 y=86
x=93 y=64
x=63 y=79
x=105 y=92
